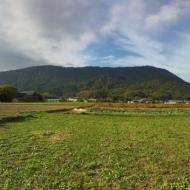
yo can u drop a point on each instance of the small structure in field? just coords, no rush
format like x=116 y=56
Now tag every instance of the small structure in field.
x=72 y=99
x=79 y=110
x=174 y=102
x=91 y=100
x=53 y=100
x=187 y=102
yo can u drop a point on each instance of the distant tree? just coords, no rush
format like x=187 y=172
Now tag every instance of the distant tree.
x=166 y=96
x=7 y=93
x=101 y=94
x=47 y=95
x=87 y=94
x=68 y=91
x=38 y=97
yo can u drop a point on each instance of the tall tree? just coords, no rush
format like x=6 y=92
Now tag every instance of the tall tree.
x=7 y=93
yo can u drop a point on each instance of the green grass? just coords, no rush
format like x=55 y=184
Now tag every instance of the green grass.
x=134 y=150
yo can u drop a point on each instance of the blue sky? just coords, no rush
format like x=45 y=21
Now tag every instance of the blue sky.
x=97 y=33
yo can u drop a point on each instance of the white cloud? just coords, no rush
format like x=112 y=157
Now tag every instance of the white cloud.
x=23 y=31
x=168 y=15
x=135 y=37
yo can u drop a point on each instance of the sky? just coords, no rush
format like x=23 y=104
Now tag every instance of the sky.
x=77 y=33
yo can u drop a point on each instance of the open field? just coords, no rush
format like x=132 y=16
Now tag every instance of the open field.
x=100 y=149
x=16 y=108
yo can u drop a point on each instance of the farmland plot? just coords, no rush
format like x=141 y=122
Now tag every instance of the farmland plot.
x=16 y=108
x=96 y=150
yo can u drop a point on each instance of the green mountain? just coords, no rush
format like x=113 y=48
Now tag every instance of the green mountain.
x=99 y=82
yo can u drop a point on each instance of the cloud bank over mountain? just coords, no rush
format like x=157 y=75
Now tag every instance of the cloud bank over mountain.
x=101 y=33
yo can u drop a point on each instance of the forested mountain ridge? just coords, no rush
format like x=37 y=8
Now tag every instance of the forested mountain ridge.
x=99 y=82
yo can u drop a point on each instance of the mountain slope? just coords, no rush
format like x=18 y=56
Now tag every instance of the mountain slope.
x=99 y=82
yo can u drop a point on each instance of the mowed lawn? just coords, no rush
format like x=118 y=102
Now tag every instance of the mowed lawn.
x=145 y=150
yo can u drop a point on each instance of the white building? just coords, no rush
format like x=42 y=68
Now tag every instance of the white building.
x=174 y=102
x=53 y=100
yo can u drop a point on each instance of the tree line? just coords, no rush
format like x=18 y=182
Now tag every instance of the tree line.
x=8 y=93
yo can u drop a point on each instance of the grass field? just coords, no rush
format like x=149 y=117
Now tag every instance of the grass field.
x=100 y=149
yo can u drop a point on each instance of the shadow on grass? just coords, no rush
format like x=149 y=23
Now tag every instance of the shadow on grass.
x=59 y=110
x=18 y=118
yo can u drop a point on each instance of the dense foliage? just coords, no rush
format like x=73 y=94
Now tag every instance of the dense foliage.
x=101 y=83
x=7 y=93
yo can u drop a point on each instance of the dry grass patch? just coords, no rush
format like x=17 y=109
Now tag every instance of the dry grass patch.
x=58 y=137
x=140 y=105
x=51 y=135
